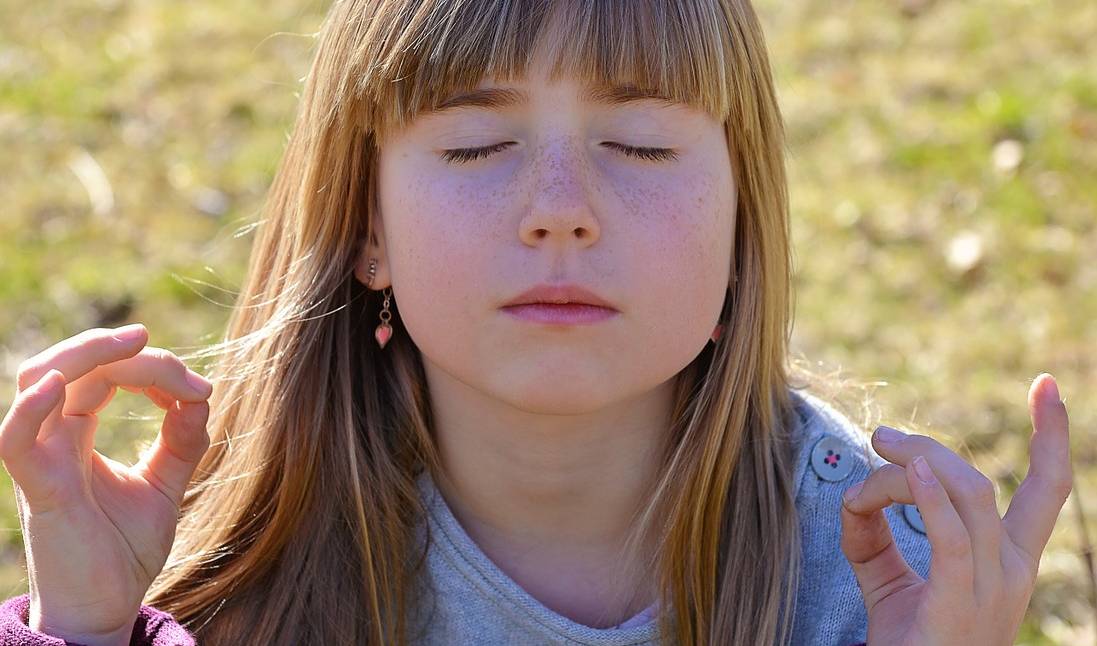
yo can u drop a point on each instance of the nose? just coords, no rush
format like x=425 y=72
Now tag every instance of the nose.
x=561 y=211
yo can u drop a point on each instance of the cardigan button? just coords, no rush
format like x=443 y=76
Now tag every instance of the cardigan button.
x=914 y=517
x=830 y=459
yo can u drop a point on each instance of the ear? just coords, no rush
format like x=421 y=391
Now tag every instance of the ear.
x=373 y=248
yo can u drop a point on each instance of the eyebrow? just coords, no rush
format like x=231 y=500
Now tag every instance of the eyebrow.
x=499 y=99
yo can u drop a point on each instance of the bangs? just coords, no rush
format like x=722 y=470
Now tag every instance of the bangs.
x=413 y=55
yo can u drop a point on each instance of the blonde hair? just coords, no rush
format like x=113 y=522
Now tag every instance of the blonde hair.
x=299 y=524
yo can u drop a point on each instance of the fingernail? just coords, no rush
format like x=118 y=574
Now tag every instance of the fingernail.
x=129 y=332
x=851 y=494
x=888 y=434
x=923 y=471
x=198 y=382
x=1053 y=390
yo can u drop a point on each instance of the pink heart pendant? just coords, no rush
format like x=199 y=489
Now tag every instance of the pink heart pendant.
x=383 y=333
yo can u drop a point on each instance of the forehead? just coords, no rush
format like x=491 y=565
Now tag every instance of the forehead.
x=447 y=49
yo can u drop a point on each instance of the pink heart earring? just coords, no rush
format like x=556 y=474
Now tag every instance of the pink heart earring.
x=384 y=331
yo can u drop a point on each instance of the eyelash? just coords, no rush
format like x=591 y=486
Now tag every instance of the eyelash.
x=462 y=155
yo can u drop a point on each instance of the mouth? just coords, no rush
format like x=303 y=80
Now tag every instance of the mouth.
x=560 y=294
x=560 y=313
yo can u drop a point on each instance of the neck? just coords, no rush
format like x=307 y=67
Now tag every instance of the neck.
x=550 y=499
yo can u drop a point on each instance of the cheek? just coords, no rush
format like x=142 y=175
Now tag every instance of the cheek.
x=439 y=246
x=682 y=244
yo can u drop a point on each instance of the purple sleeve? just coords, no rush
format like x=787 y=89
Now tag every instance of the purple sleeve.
x=153 y=628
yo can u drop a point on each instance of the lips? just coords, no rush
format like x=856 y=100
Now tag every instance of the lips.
x=566 y=314
x=560 y=294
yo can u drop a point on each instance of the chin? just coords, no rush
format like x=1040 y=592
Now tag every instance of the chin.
x=557 y=396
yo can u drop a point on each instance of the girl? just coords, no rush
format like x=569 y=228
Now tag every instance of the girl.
x=509 y=367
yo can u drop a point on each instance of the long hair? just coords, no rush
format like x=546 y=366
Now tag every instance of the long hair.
x=299 y=524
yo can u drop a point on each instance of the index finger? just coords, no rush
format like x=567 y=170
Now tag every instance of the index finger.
x=78 y=355
x=151 y=368
x=1035 y=507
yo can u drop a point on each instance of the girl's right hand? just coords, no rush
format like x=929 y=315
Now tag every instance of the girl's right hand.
x=97 y=532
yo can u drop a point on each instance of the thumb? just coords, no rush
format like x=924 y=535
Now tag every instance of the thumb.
x=170 y=462
x=867 y=541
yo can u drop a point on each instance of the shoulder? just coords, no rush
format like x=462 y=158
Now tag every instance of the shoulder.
x=833 y=454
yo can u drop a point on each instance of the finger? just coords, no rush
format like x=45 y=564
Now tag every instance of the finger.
x=1035 y=507
x=972 y=493
x=162 y=400
x=22 y=432
x=158 y=397
x=870 y=548
x=170 y=462
x=951 y=582
x=19 y=430
x=78 y=355
x=151 y=367
x=883 y=487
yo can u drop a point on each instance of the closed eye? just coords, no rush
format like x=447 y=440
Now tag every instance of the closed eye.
x=461 y=155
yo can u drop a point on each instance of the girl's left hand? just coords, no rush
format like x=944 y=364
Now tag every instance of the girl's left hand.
x=982 y=566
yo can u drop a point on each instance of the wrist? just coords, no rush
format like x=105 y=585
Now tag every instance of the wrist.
x=71 y=632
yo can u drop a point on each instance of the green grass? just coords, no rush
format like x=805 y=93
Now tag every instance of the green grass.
x=913 y=135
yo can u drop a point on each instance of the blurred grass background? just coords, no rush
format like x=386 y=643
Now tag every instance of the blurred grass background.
x=943 y=160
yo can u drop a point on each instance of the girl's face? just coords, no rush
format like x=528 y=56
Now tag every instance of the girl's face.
x=555 y=200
